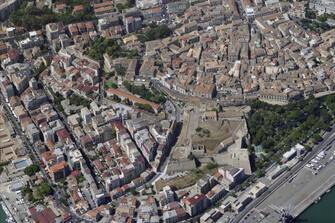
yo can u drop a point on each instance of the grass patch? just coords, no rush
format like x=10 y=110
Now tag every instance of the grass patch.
x=189 y=179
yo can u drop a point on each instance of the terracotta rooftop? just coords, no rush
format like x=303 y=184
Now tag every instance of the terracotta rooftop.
x=45 y=216
x=58 y=167
x=195 y=199
x=131 y=97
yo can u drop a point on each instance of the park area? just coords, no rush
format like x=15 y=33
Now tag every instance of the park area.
x=189 y=179
x=277 y=128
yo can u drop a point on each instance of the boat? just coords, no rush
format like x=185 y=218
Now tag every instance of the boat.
x=10 y=220
x=317 y=200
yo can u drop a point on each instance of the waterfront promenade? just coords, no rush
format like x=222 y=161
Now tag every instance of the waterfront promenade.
x=314 y=196
x=301 y=191
x=297 y=185
x=319 y=212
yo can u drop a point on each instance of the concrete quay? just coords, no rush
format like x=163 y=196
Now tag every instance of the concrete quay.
x=303 y=189
x=290 y=189
x=313 y=197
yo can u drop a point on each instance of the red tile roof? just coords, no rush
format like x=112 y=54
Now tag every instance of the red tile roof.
x=195 y=199
x=63 y=135
x=131 y=97
x=103 y=4
x=45 y=216
x=103 y=9
x=78 y=8
x=58 y=167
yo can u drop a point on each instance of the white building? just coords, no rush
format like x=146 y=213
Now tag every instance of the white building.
x=257 y=190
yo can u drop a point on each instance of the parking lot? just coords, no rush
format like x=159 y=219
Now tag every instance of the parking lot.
x=320 y=161
x=14 y=200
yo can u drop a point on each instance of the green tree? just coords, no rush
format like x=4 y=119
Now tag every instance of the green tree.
x=145 y=107
x=316 y=138
x=78 y=100
x=211 y=166
x=145 y=93
x=120 y=70
x=112 y=47
x=155 y=32
x=277 y=128
x=43 y=190
x=31 y=170
x=31 y=17
x=322 y=18
x=260 y=173
x=110 y=84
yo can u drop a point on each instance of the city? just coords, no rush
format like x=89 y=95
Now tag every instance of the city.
x=165 y=111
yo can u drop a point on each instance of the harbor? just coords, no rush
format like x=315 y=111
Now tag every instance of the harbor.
x=5 y=214
x=314 y=197
x=301 y=190
x=318 y=212
x=306 y=188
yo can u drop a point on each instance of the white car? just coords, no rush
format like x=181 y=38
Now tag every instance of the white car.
x=320 y=156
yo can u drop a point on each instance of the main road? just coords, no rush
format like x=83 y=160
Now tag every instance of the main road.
x=329 y=138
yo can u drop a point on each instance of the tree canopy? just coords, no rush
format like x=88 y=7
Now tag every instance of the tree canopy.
x=144 y=107
x=155 y=32
x=31 y=170
x=145 y=93
x=78 y=100
x=42 y=190
x=113 y=47
x=37 y=192
x=277 y=128
x=31 y=17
